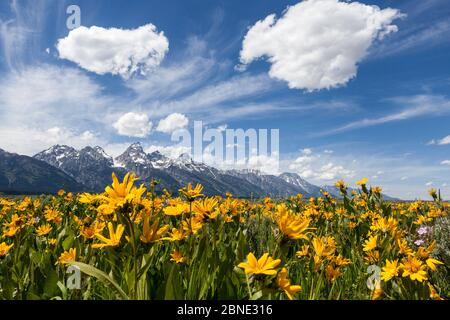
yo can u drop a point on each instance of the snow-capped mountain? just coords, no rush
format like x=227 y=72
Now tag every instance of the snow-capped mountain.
x=298 y=181
x=89 y=166
x=92 y=167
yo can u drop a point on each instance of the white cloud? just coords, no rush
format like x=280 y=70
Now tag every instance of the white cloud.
x=264 y=163
x=446 y=162
x=417 y=106
x=172 y=122
x=317 y=44
x=171 y=152
x=429 y=184
x=311 y=166
x=133 y=124
x=29 y=141
x=88 y=136
x=36 y=99
x=116 y=51
x=441 y=142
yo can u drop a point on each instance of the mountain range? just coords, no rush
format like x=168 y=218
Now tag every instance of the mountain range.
x=90 y=169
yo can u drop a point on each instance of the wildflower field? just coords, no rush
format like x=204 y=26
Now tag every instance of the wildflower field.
x=132 y=243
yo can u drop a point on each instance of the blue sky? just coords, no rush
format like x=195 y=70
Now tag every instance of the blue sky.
x=381 y=111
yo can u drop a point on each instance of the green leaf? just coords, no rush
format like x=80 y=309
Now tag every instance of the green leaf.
x=67 y=243
x=102 y=277
x=50 y=285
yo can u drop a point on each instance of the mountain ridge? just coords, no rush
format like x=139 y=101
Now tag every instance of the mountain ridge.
x=91 y=168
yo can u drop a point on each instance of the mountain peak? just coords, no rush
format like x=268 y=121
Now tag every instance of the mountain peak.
x=97 y=153
x=133 y=155
x=185 y=158
x=136 y=145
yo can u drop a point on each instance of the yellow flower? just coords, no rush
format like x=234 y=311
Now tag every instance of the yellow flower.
x=67 y=256
x=433 y=193
x=421 y=219
x=332 y=273
x=324 y=246
x=44 y=230
x=88 y=198
x=177 y=257
x=384 y=224
x=114 y=237
x=340 y=260
x=52 y=241
x=293 y=226
x=303 y=252
x=340 y=184
x=192 y=193
x=370 y=244
x=11 y=231
x=90 y=232
x=433 y=293
x=376 y=190
x=120 y=193
x=414 y=268
x=206 y=208
x=265 y=265
x=362 y=182
x=176 y=210
x=390 y=271
x=52 y=215
x=4 y=248
x=431 y=263
x=192 y=225
x=377 y=293
x=284 y=283
x=403 y=247
x=121 y=190
x=151 y=233
x=175 y=235
x=372 y=256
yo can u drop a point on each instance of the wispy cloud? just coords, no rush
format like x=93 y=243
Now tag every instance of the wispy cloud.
x=20 y=35
x=440 y=142
x=419 y=38
x=423 y=28
x=416 y=106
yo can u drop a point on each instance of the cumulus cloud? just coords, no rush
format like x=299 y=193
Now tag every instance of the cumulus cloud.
x=29 y=141
x=311 y=166
x=172 y=122
x=317 y=44
x=446 y=162
x=117 y=51
x=133 y=124
x=264 y=163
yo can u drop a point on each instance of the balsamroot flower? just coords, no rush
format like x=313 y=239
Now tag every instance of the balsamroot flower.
x=285 y=284
x=114 y=237
x=264 y=265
